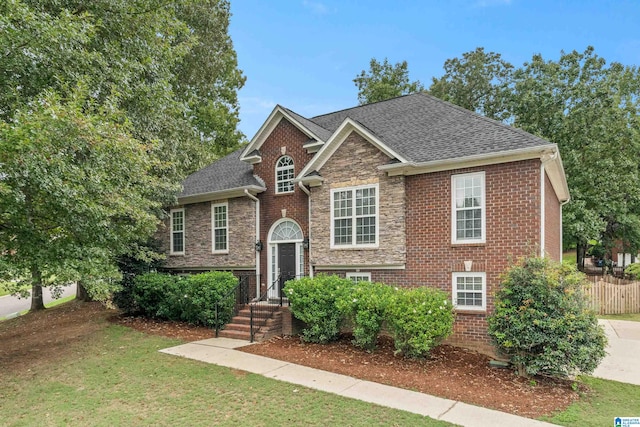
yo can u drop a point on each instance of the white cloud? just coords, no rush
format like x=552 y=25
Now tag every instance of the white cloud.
x=316 y=7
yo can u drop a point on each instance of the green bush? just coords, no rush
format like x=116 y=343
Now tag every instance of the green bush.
x=202 y=292
x=420 y=318
x=151 y=294
x=188 y=298
x=366 y=305
x=542 y=320
x=314 y=302
x=633 y=271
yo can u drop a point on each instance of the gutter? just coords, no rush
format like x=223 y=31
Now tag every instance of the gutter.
x=255 y=199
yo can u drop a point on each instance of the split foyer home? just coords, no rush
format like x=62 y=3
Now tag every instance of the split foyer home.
x=411 y=191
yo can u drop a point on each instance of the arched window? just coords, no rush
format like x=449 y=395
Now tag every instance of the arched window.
x=284 y=175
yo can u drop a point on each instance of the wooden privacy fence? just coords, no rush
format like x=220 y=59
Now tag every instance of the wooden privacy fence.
x=612 y=295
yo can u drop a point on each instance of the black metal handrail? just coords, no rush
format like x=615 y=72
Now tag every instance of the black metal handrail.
x=260 y=310
x=242 y=296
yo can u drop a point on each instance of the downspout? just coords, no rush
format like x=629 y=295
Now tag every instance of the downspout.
x=308 y=193
x=542 y=205
x=255 y=199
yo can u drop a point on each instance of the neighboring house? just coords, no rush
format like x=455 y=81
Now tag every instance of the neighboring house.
x=411 y=191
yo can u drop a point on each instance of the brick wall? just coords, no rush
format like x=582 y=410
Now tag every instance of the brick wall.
x=198 y=241
x=552 y=223
x=512 y=230
x=284 y=139
x=356 y=163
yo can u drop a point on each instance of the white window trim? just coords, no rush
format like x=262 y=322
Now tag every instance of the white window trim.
x=353 y=244
x=454 y=291
x=366 y=276
x=213 y=228
x=281 y=168
x=184 y=240
x=454 y=236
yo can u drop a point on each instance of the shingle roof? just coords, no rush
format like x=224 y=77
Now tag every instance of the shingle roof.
x=423 y=128
x=224 y=174
x=419 y=127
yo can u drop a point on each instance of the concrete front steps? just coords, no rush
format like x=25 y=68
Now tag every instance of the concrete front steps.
x=240 y=325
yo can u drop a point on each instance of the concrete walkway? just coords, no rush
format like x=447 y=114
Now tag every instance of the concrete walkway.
x=621 y=363
x=221 y=351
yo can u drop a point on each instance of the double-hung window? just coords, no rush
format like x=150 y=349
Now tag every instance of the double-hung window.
x=354 y=216
x=470 y=291
x=220 y=227
x=468 y=208
x=177 y=231
x=284 y=175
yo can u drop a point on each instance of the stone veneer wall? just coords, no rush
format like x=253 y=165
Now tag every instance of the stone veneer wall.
x=355 y=163
x=198 y=240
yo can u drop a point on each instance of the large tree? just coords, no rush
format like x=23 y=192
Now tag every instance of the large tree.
x=590 y=109
x=104 y=107
x=385 y=81
x=479 y=81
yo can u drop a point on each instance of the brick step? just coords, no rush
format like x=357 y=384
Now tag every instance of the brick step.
x=246 y=312
x=238 y=335
x=237 y=327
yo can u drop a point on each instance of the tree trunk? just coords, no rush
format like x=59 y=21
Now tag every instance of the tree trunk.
x=37 y=303
x=82 y=294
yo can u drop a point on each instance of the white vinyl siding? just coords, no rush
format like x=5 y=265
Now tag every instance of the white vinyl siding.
x=468 y=208
x=470 y=291
x=177 y=232
x=220 y=227
x=354 y=217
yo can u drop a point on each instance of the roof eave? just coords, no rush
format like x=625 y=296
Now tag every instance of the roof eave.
x=229 y=193
x=415 y=168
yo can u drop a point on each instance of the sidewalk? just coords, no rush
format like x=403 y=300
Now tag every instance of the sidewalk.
x=621 y=363
x=221 y=351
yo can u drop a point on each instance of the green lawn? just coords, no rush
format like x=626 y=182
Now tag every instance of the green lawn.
x=632 y=316
x=570 y=257
x=607 y=400
x=119 y=378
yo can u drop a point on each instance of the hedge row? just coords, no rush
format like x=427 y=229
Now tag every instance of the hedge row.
x=418 y=318
x=187 y=298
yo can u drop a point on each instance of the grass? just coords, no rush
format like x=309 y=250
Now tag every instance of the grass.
x=119 y=378
x=49 y=305
x=4 y=291
x=570 y=257
x=607 y=400
x=635 y=317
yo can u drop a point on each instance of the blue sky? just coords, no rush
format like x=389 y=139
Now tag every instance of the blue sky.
x=304 y=54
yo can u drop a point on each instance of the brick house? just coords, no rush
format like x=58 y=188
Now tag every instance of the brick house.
x=411 y=191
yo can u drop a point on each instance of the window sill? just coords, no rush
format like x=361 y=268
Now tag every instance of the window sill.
x=220 y=253
x=284 y=193
x=468 y=311
x=177 y=254
x=354 y=248
x=467 y=244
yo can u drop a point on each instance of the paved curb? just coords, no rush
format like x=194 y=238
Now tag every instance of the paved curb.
x=221 y=351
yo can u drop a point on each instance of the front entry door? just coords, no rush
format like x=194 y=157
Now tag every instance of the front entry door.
x=287 y=263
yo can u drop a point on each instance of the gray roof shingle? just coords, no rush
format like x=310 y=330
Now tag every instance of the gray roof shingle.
x=419 y=127
x=423 y=128
x=223 y=174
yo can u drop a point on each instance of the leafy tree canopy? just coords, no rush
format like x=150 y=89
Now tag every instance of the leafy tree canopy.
x=590 y=109
x=104 y=107
x=385 y=81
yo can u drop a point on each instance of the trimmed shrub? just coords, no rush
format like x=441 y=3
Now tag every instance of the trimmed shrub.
x=314 y=302
x=633 y=271
x=542 y=320
x=202 y=292
x=420 y=318
x=151 y=294
x=366 y=305
x=188 y=298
